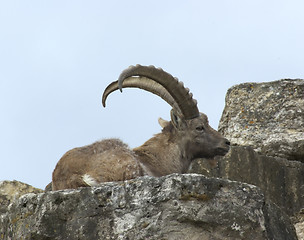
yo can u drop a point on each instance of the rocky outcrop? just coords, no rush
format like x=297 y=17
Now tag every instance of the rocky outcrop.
x=12 y=190
x=172 y=207
x=282 y=181
x=266 y=116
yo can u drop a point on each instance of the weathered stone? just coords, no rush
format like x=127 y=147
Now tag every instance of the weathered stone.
x=267 y=116
x=299 y=224
x=282 y=181
x=300 y=230
x=12 y=190
x=172 y=207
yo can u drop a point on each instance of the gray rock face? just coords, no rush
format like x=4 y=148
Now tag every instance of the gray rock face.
x=172 y=207
x=267 y=116
x=281 y=180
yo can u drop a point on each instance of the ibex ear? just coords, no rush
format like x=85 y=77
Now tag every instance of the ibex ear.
x=177 y=121
x=163 y=123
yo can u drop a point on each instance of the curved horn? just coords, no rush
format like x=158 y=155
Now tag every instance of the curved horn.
x=186 y=104
x=145 y=84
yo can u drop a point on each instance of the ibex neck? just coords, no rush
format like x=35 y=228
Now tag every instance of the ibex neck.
x=162 y=155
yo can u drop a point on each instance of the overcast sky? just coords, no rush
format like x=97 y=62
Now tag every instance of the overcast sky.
x=57 y=57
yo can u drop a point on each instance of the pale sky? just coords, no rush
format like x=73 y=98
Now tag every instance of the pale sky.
x=57 y=57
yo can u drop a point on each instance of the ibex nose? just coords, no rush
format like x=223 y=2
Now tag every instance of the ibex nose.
x=227 y=142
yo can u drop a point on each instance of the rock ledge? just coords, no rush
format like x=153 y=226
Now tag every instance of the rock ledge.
x=188 y=206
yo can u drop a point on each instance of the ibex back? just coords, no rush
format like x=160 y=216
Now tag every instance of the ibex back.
x=187 y=136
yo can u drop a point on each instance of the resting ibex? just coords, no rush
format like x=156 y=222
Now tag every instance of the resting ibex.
x=186 y=137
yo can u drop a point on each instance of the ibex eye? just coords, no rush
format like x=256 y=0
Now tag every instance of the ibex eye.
x=200 y=128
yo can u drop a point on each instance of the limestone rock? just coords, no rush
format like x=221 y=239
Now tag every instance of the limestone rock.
x=300 y=230
x=12 y=190
x=281 y=181
x=299 y=224
x=267 y=116
x=175 y=207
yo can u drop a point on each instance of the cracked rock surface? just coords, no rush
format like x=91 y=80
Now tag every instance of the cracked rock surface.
x=188 y=206
x=266 y=116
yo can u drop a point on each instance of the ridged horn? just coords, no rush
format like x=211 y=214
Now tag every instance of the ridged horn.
x=145 y=84
x=170 y=87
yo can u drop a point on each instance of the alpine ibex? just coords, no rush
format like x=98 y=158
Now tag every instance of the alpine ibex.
x=186 y=137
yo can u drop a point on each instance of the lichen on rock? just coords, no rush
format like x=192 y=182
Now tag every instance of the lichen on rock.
x=12 y=190
x=267 y=116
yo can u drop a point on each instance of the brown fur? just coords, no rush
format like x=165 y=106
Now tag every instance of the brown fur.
x=107 y=160
x=170 y=151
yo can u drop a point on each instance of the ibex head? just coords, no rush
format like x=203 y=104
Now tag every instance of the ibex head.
x=191 y=128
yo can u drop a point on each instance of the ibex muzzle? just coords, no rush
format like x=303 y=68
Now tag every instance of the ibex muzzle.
x=187 y=136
